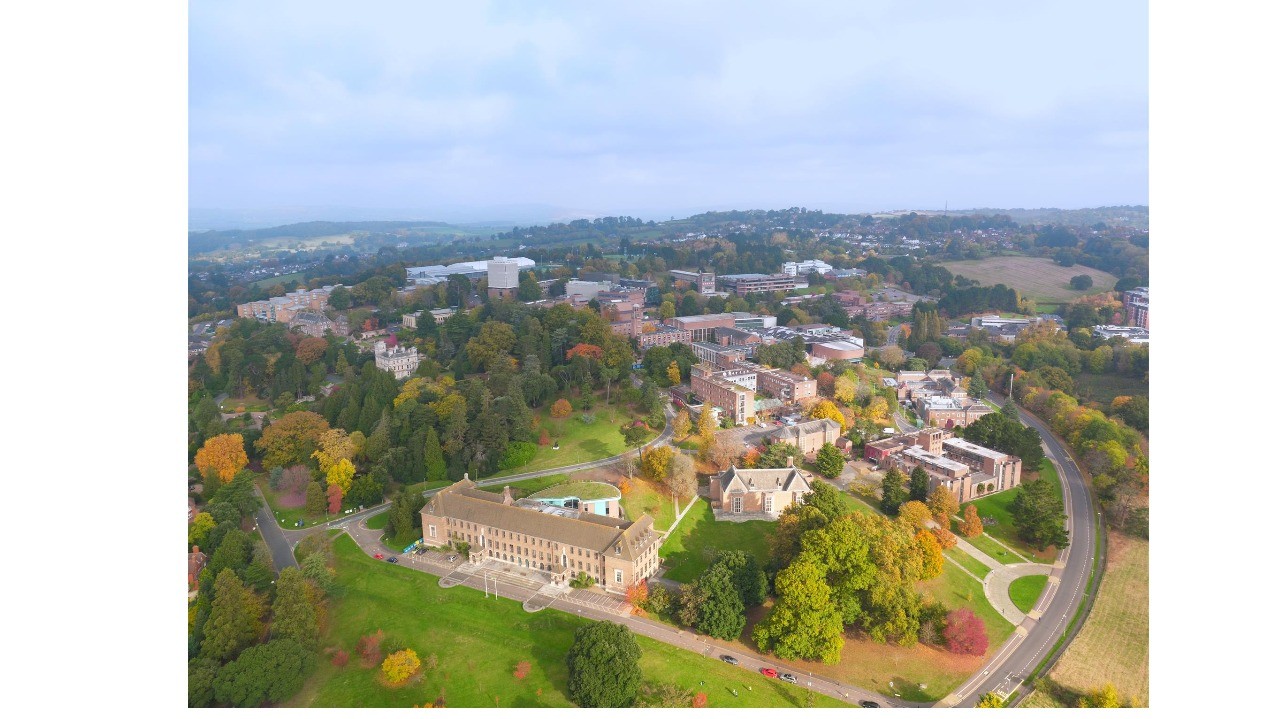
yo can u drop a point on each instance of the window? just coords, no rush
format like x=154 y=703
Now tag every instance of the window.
x=617 y=576
x=737 y=505
x=433 y=531
x=768 y=502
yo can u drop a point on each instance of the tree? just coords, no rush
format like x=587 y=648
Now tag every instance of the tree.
x=657 y=462
x=334 y=446
x=706 y=432
x=311 y=349
x=990 y=701
x=972 y=526
x=334 y=497
x=433 y=457
x=977 y=386
x=561 y=409
x=919 y=484
x=826 y=409
x=638 y=596
x=965 y=633
x=673 y=373
x=892 y=491
x=721 y=613
x=369 y=647
x=1081 y=282
x=291 y=439
x=399 y=666
x=747 y=575
x=199 y=528
x=943 y=504
x=846 y=389
x=683 y=481
x=931 y=554
x=292 y=614
x=830 y=461
x=340 y=475
x=1104 y=697
x=604 y=666
x=804 y=622
x=915 y=514
x=775 y=456
x=681 y=425
x=267 y=673
x=315 y=498
x=235 y=618
x=224 y=455
x=945 y=538
x=1038 y=515
x=723 y=452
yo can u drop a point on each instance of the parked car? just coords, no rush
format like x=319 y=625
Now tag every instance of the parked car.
x=453 y=557
x=868 y=704
x=727 y=659
x=788 y=678
x=378 y=555
x=420 y=550
x=393 y=560
x=769 y=672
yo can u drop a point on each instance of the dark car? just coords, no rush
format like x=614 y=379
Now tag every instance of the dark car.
x=868 y=704
x=727 y=659
x=788 y=678
x=393 y=560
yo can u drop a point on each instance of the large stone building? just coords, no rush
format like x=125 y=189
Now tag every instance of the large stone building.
x=741 y=494
x=966 y=469
x=283 y=309
x=399 y=360
x=809 y=436
x=558 y=541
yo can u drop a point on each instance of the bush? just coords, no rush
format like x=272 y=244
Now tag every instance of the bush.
x=340 y=658
x=582 y=581
x=401 y=665
x=518 y=454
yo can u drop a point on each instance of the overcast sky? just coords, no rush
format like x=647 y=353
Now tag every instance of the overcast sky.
x=467 y=111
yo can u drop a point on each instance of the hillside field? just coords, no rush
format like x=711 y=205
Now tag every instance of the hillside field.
x=1036 y=277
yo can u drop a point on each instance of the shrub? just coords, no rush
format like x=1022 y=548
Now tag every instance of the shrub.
x=582 y=581
x=340 y=658
x=519 y=454
x=522 y=670
x=401 y=665
x=370 y=649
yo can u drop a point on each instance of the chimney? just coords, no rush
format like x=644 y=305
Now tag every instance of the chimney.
x=506 y=495
x=790 y=462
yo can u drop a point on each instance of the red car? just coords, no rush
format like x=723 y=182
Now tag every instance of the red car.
x=769 y=672
x=377 y=556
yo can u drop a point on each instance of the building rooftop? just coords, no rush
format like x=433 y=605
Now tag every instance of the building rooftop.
x=579 y=490
x=921 y=455
x=972 y=448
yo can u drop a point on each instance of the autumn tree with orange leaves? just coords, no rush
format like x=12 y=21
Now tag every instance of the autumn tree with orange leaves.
x=585 y=350
x=224 y=454
x=972 y=526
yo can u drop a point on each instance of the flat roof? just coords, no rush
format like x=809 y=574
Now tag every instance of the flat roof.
x=972 y=448
x=935 y=460
x=580 y=490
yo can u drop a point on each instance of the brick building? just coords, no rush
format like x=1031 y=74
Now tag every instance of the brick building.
x=808 y=437
x=283 y=309
x=757 y=493
x=713 y=389
x=966 y=469
x=557 y=541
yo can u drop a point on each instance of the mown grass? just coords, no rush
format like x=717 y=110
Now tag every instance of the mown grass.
x=968 y=562
x=579 y=442
x=651 y=498
x=1039 y=278
x=1113 y=646
x=690 y=549
x=476 y=644
x=1024 y=591
x=525 y=487
x=999 y=507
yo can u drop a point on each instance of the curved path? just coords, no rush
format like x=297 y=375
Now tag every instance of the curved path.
x=1033 y=640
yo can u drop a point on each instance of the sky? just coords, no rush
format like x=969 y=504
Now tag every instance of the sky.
x=472 y=111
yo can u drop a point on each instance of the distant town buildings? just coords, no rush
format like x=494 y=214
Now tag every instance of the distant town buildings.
x=316 y=324
x=1136 y=335
x=703 y=282
x=432 y=274
x=742 y=494
x=1137 y=307
x=283 y=309
x=802 y=269
x=745 y=284
x=558 y=541
x=399 y=360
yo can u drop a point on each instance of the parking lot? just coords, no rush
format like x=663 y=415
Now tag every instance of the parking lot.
x=599 y=601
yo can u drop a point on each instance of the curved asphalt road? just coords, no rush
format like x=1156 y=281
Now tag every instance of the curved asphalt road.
x=1033 y=640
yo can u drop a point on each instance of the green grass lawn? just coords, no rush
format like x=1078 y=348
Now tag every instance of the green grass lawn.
x=477 y=643
x=379 y=520
x=650 y=498
x=1024 y=591
x=995 y=551
x=1103 y=388
x=689 y=550
x=581 y=490
x=968 y=562
x=287 y=516
x=579 y=442
x=424 y=486
x=272 y=281
x=999 y=507
x=957 y=589
x=248 y=403
x=526 y=487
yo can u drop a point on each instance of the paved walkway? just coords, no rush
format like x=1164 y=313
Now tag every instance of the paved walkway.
x=996 y=583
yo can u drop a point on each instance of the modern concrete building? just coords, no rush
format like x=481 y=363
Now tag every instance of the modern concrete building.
x=745 y=284
x=472 y=270
x=504 y=277
x=399 y=360
x=802 y=269
x=703 y=282
x=586 y=290
x=845 y=349
x=743 y=494
x=702 y=328
x=1136 y=335
x=557 y=541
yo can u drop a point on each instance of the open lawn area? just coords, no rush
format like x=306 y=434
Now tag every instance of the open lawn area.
x=579 y=441
x=476 y=644
x=962 y=557
x=248 y=403
x=526 y=487
x=1024 y=591
x=651 y=498
x=689 y=550
x=998 y=507
x=581 y=490
x=272 y=281
x=286 y=516
x=1039 y=278
x=427 y=486
x=1113 y=646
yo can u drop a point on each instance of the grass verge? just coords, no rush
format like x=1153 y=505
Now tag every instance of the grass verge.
x=1024 y=591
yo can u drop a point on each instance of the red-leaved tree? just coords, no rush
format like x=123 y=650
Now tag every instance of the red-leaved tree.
x=544 y=439
x=335 y=499
x=965 y=633
x=699 y=700
x=340 y=658
x=522 y=670
x=637 y=594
